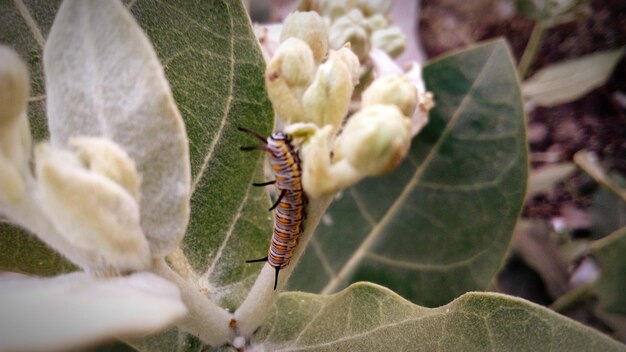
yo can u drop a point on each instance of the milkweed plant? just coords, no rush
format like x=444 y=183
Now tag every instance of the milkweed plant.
x=123 y=183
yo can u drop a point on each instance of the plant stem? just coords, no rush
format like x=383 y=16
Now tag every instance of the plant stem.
x=571 y=298
x=254 y=309
x=205 y=319
x=530 y=52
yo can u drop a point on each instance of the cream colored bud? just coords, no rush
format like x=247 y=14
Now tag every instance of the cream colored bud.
x=297 y=65
x=15 y=138
x=394 y=90
x=14 y=86
x=309 y=27
x=108 y=159
x=375 y=139
x=286 y=77
x=92 y=212
x=376 y=22
x=390 y=40
x=336 y=8
x=348 y=29
x=327 y=100
x=350 y=60
x=371 y=7
x=12 y=185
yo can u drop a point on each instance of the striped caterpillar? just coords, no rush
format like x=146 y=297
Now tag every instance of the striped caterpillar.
x=288 y=208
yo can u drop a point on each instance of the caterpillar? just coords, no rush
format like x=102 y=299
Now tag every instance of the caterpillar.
x=289 y=207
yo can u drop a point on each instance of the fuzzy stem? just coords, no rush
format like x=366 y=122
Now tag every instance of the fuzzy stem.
x=252 y=312
x=205 y=319
x=530 y=52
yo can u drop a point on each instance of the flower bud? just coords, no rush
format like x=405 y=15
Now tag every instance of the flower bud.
x=106 y=158
x=12 y=185
x=350 y=60
x=376 y=22
x=327 y=100
x=15 y=138
x=309 y=27
x=286 y=77
x=92 y=212
x=375 y=139
x=390 y=40
x=14 y=86
x=394 y=90
x=336 y=8
x=371 y=7
x=348 y=29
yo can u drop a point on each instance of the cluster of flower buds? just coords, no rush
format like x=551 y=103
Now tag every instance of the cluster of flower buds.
x=311 y=91
x=362 y=23
x=87 y=192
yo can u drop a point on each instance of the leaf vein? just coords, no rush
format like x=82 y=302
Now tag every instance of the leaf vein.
x=30 y=22
x=229 y=101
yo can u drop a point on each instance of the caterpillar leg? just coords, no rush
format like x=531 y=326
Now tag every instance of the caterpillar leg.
x=264 y=183
x=253 y=147
x=253 y=134
x=264 y=259
x=280 y=197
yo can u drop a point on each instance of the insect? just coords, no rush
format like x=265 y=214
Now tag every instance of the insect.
x=289 y=212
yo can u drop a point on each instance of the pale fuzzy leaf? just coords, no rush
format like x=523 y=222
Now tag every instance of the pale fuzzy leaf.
x=366 y=317
x=76 y=309
x=544 y=179
x=590 y=164
x=569 y=80
x=440 y=224
x=103 y=79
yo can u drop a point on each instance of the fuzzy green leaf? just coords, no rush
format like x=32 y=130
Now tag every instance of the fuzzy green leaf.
x=215 y=69
x=439 y=225
x=366 y=317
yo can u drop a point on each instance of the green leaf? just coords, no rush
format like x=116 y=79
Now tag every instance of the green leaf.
x=611 y=285
x=441 y=223
x=366 y=317
x=215 y=71
x=569 y=80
